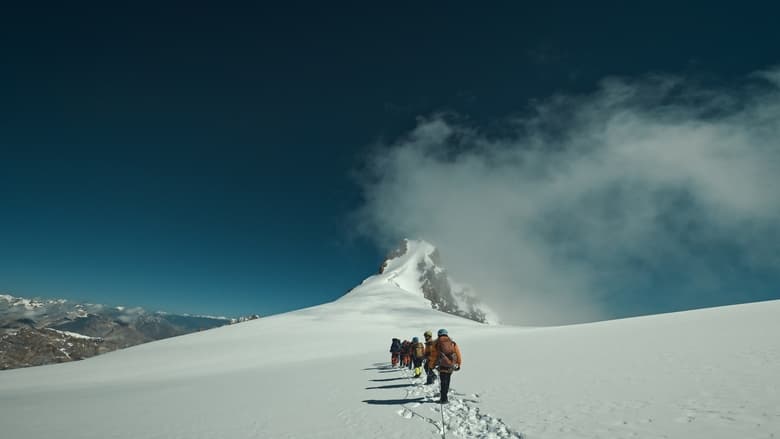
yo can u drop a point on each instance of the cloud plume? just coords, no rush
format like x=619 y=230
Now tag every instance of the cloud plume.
x=647 y=195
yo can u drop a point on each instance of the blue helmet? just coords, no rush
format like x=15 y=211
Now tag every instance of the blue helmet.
x=441 y=332
x=415 y=339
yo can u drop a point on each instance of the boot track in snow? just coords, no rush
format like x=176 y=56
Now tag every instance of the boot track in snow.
x=461 y=417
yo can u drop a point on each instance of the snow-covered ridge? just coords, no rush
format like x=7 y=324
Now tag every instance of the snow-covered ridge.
x=415 y=271
x=75 y=310
x=74 y=334
x=29 y=304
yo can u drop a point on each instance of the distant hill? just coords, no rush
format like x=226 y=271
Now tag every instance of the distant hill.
x=35 y=332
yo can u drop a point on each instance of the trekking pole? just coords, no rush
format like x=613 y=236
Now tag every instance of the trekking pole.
x=443 y=430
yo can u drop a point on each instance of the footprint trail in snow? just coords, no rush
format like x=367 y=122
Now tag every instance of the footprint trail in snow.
x=461 y=416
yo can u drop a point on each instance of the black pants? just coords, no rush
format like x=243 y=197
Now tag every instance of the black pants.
x=429 y=373
x=444 y=379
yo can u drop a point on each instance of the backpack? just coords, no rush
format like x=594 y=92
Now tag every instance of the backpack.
x=419 y=350
x=396 y=346
x=446 y=353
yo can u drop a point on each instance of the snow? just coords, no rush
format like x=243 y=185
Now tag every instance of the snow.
x=29 y=304
x=322 y=372
x=400 y=271
x=74 y=334
x=403 y=273
x=22 y=302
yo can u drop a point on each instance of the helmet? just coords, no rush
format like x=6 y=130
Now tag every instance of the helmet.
x=415 y=339
x=441 y=332
x=428 y=334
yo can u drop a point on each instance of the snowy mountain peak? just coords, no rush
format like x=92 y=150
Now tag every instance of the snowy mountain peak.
x=28 y=304
x=416 y=270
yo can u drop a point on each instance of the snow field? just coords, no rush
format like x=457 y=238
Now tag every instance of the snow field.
x=461 y=417
x=705 y=374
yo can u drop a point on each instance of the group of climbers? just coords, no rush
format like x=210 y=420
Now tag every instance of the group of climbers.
x=442 y=355
x=395 y=352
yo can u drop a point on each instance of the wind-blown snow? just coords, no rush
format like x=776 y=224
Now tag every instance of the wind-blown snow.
x=403 y=274
x=400 y=271
x=321 y=372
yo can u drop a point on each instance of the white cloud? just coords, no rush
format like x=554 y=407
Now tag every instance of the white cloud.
x=591 y=196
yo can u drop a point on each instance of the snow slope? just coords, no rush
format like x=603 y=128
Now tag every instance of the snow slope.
x=322 y=372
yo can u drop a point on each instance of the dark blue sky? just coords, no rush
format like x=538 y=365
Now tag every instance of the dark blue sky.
x=200 y=159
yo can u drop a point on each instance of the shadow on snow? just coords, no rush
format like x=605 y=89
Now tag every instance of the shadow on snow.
x=391 y=386
x=392 y=401
x=390 y=379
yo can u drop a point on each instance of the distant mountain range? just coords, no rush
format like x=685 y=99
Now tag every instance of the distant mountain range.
x=39 y=331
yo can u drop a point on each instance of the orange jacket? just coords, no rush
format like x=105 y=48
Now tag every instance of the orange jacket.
x=428 y=344
x=433 y=355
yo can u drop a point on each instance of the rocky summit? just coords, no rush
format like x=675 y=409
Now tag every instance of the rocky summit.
x=420 y=266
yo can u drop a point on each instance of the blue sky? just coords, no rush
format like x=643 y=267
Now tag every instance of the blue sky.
x=209 y=160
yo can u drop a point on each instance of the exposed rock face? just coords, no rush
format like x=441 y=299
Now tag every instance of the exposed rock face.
x=245 y=318
x=399 y=251
x=35 y=332
x=434 y=282
x=36 y=347
x=436 y=287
